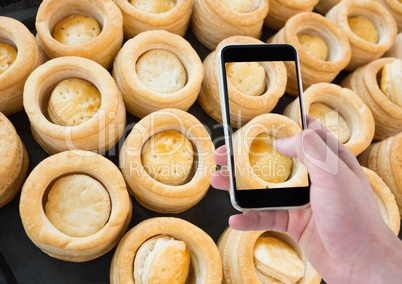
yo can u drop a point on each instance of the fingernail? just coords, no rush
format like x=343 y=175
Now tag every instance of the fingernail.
x=279 y=141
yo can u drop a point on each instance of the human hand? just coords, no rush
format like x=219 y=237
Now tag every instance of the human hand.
x=342 y=232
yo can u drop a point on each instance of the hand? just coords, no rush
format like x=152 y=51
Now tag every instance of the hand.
x=342 y=232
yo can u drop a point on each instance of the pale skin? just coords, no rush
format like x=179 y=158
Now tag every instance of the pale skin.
x=342 y=233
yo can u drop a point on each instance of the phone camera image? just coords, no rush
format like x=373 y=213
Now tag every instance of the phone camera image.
x=261 y=177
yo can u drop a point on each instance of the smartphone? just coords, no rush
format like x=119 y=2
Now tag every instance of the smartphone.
x=277 y=189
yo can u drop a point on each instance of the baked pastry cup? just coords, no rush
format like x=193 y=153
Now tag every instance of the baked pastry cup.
x=385 y=200
x=341 y=110
x=243 y=106
x=383 y=158
x=371 y=35
x=263 y=257
x=17 y=39
x=313 y=68
x=323 y=6
x=280 y=11
x=366 y=82
x=102 y=48
x=396 y=48
x=157 y=194
x=213 y=21
x=40 y=190
x=139 y=17
x=281 y=172
x=14 y=161
x=395 y=8
x=148 y=79
x=205 y=265
x=104 y=127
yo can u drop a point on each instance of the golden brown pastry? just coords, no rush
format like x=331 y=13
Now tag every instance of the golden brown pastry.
x=253 y=89
x=384 y=159
x=74 y=197
x=362 y=22
x=168 y=157
x=92 y=30
x=385 y=200
x=14 y=161
x=391 y=79
x=166 y=250
x=145 y=15
x=271 y=172
x=76 y=29
x=366 y=82
x=323 y=6
x=162 y=259
x=157 y=70
x=263 y=257
x=313 y=68
x=62 y=189
x=73 y=101
x=262 y=153
x=213 y=21
x=19 y=56
x=395 y=8
x=396 y=48
x=280 y=11
x=340 y=110
x=72 y=121
x=168 y=192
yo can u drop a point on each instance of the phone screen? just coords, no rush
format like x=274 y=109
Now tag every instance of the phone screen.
x=260 y=176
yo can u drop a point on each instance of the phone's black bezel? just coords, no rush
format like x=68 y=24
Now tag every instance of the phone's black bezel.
x=259 y=199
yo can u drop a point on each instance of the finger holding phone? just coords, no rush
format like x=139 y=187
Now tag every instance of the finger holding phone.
x=341 y=231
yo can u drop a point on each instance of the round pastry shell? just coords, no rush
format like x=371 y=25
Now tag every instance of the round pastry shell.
x=29 y=57
x=205 y=258
x=140 y=100
x=312 y=69
x=350 y=106
x=149 y=192
x=213 y=21
x=99 y=133
x=136 y=21
x=237 y=247
x=363 y=51
x=52 y=241
x=14 y=161
x=102 y=49
x=275 y=125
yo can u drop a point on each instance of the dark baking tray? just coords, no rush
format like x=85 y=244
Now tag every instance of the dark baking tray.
x=22 y=262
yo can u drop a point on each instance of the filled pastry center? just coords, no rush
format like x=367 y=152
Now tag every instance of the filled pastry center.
x=266 y=162
x=332 y=120
x=162 y=259
x=391 y=81
x=241 y=6
x=78 y=205
x=363 y=28
x=154 y=6
x=76 y=29
x=247 y=77
x=275 y=261
x=73 y=101
x=161 y=71
x=314 y=46
x=168 y=157
x=8 y=54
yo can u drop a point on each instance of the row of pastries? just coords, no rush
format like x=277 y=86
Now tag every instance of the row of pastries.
x=83 y=70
